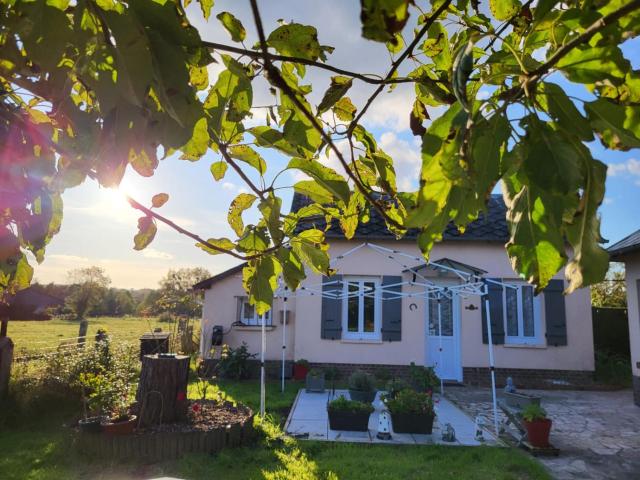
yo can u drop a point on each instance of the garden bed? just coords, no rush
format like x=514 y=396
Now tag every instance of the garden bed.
x=210 y=427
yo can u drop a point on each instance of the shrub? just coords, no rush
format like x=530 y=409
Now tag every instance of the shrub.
x=165 y=317
x=410 y=401
x=234 y=362
x=422 y=378
x=332 y=374
x=302 y=363
x=362 y=382
x=315 y=372
x=341 y=404
x=394 y=386
x=533 y=412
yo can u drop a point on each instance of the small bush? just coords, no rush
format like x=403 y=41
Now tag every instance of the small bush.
x=341 y=404
x=394 y=386
x=316 y=373
x=332 y=374
x=533 y=412
x=234 y=363
x=423 y=379
x=362 y=382
x=165 y=317
x=410 y=401
x=613 y=368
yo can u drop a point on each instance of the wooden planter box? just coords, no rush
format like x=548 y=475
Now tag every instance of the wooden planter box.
x=412 y=423
x=352 y=422
x=315 y=383
x=362 y=396
x=520 y=400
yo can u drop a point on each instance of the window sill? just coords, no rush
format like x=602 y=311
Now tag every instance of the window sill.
x=254 y=328
x=361 y=340
x=538 y=346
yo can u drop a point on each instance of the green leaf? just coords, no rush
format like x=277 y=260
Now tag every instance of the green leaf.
x=224 y=243
x=296 y=40
x=549 y=151
x=325 y=176
x=590 y=261
x=292 y=268
x=253 y=241
x=270 y=209
x=206 y=6
x=233 y=26
x=309 y=246
x=437 y=47
x=382 y=19
x=159 y=200
x=462 y=68
x=386 y=172
x=561 y=108
x=218 y=169
x=248 y=155
x=618 y=126
x=344 y=109
x=536 y=247
x=313 y=190
x=260 y=280
x=504 y=9
x=199 y=143
x=350 y=217
x=147 y=230
x=239 y=204
x=339 y=86
x=270 y=138
x=587 y=64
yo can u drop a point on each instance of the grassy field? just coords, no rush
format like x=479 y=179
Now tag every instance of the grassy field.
x=42 y=448
x=38 y=335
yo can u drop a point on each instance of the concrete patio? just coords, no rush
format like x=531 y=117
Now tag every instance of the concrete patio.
x=598 y=433
x=308 y=419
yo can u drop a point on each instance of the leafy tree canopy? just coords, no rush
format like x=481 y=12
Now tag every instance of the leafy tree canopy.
x=88 y=289
x=91 y=87
x=176 y=293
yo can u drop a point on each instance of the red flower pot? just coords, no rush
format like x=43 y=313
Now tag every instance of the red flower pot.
x=538 y=432
x=300 y=372
x=124 y=427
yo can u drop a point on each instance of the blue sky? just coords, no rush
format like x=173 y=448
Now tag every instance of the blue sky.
x=99 y=226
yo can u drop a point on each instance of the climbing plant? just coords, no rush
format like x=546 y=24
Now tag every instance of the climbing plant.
x=91 y=87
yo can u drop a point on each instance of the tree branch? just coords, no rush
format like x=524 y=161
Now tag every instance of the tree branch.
x=236 y=167
x=394 y=66
x=278 y=81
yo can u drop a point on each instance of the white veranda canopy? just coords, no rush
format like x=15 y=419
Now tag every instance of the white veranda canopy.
x=471 y=283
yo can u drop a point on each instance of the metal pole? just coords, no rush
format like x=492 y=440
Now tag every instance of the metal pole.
x=262 y=372
x=284 y=339
x=440 y=343
x=492 y=368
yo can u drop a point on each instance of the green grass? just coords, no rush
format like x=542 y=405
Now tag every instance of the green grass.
x=42 y=449
x=37 y=335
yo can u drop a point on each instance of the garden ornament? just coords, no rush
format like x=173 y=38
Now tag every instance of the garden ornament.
x=449 y=433
x=480 y=423
x=510 y=387
x=384 y=426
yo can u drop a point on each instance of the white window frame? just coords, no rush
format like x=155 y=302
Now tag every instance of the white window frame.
x=521 y=339
x=257 y=319
x=377 y=309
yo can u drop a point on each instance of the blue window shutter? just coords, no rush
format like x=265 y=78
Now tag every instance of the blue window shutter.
x=391 y=310
x=497 y=314
x=331 y=315
x=555 y=313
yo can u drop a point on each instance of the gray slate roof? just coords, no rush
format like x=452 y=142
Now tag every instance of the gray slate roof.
x=490 y=226
x=628 y=244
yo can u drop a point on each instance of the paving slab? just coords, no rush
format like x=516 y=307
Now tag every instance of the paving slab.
x=598 y=433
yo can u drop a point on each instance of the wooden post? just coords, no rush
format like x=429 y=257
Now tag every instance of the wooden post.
x=3 y=326
x=82 y=333
x=162 y=390
x=6 y=359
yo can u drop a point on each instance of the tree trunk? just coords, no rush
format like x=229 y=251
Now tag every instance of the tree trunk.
x=162 y=391
x=6 y=359
x=82 y=333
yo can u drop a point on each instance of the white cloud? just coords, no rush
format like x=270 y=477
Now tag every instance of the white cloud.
x=406 y=159
x=228 y=186
x=630 y=167
x=68 y=258
x=156 y=254
x=391 y=110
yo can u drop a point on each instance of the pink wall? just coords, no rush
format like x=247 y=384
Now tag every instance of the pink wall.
x=632 y=273
x=220 y=307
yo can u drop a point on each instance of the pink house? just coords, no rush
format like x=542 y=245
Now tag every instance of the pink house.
x=544 y=340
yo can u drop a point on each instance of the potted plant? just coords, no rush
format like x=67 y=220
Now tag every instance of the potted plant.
x=411 y=411
x=120 y=420
x=422 y=379
x=362 y=387
x=94 y=401
x=537 y=424
x=315 y=380
x=300 y=369
x=349 y=415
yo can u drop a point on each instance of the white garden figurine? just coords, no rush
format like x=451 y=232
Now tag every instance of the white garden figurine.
x=384 y=426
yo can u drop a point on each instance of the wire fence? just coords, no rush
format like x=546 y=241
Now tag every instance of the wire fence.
x=68 y=345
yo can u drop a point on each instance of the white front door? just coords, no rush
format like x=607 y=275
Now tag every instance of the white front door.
x=443 y=348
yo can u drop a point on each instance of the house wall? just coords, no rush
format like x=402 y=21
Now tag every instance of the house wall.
x=220 y=308
x=632 y=274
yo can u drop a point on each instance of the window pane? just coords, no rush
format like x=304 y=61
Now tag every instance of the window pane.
x=527 y=312
x=512 y=311
x=247 y=313
x=447 y=317
x=369 y=306
x=433 y=317
x=352 y=307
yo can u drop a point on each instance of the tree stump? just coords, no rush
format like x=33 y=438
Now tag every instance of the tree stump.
x=6 y=359
x=162 y=391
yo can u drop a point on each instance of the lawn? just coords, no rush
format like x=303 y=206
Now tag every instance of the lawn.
x=42 y=448
x=38 y=335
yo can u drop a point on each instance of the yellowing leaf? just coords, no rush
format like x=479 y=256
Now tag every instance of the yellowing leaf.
x=159 y=200
x=146 y=233
x=504 y=9
x=233 y=26
x=339 y=86
x=344 y=109
x=238 y=206
x=248 y=155
x=218 y=169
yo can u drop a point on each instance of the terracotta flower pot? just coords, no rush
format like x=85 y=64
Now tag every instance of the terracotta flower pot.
x=300 y=372
x=125 y=427
x=538 y=432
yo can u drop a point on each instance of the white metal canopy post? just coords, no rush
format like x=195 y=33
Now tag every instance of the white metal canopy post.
x=492 y=368
x=284 y=337
x=440 y=344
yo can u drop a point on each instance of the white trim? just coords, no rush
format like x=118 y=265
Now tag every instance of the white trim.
x=521 y=339
x=361 y=335
x=256 y=321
